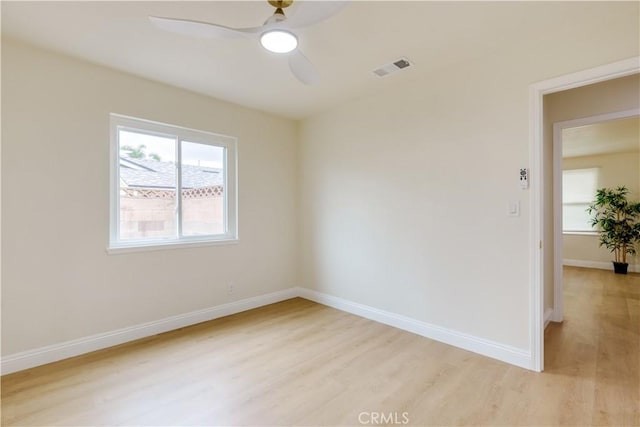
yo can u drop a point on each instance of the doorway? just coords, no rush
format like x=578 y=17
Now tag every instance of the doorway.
x=588 y=153
x=541 y=250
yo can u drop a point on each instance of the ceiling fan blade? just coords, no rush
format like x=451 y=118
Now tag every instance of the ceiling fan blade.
x=311 y=12
x=303 y=69
x=201 y=29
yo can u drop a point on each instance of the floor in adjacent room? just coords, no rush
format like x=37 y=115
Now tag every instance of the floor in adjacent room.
x=300 y=363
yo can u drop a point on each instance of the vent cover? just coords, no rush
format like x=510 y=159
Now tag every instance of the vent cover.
x=394 y=66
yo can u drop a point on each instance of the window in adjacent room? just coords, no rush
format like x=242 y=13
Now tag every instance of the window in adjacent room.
x=170 y=185
x=579 y=188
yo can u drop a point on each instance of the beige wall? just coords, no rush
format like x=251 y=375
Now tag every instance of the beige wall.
x=58 y=283
x=614 y=170
x=601 y=98
x=404 y=192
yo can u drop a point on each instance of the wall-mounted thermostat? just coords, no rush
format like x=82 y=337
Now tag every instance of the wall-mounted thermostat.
x=524 y=178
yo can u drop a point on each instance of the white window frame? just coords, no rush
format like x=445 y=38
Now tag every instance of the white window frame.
x=230 y=167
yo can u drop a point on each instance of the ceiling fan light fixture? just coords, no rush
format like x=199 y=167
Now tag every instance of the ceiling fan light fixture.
x=279 y=41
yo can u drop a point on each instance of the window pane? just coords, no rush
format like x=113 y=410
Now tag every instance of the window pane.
x=579 y=188
x=576 y=218
x=579 y=185
x=147 y=186
x=202 y=189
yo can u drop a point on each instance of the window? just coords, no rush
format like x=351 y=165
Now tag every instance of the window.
x=579 y=188
x=170 y=185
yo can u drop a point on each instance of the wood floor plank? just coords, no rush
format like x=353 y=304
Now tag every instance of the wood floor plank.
x=300 y=363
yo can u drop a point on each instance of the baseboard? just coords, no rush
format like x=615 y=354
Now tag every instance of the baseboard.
x=633 y=268
x=41 y=356
x=548 y=316
x=505 y=353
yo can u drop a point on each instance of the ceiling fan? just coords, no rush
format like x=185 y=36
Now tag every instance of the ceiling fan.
x=276 y=34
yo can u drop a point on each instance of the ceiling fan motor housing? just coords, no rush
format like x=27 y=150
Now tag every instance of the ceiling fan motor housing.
x=280 y=4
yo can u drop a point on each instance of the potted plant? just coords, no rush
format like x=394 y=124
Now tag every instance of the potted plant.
x=616 y=220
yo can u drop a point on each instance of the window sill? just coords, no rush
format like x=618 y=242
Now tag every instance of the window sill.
x=161 y=246
x=580 y=233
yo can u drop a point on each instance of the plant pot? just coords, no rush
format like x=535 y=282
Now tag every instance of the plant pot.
x=620 y=267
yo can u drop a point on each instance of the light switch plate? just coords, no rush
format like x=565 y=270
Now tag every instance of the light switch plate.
x=513 y=208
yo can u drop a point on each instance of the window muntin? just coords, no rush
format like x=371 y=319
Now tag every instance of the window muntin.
x=170 y=185
x=579 y=188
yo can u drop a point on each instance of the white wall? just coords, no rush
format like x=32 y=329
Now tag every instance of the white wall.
x=404 y=192
x=614 y=170
x=587 y=101
x=58 y=283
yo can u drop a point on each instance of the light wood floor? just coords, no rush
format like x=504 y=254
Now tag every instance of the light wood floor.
x=300 y=363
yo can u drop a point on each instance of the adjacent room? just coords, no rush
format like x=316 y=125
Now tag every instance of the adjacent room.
x=320 y=213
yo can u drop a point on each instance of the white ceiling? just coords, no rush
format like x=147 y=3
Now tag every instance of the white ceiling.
x=345 y=49
x=618 y=136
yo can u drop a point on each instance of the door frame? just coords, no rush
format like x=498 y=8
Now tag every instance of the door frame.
x=536 y=92
x=558 y=236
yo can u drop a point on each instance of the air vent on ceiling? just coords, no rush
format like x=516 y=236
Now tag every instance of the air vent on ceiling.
x=394 y=66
